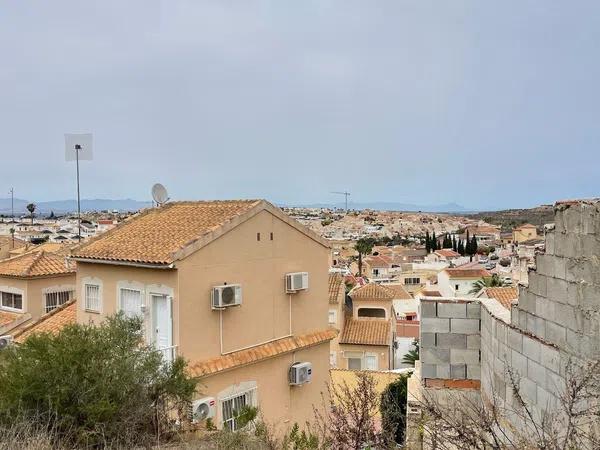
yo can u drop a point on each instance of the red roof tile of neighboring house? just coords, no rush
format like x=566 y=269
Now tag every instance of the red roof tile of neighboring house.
x=366 y=332
x=260 y=353
x=447 y=253
x=337 y=288
x=467 y=273
x=36 y=264
x=51 y=322
x=504 y=295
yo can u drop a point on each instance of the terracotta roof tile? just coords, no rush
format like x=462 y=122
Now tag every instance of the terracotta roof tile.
x=7 y=317
x=155 y=235
x=337 y=288
x=374 y=291
x=467 y=273
x=260 y=353
x=504 y=295
x=366 y=332
x=36 y=264
x=431 y=293
x=52 y=322
x=448 y=253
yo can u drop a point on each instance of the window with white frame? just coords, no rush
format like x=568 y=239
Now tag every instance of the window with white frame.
x=92 y=297
x=11 y=300
x=332 y=359
x=332 y=317
x=131 y=302
x=233 y=406
x=56 y=299
x=412 y=280
x=354 y=360
x=371 y=362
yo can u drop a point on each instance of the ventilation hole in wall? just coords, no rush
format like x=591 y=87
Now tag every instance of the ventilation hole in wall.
x=271 y=236
x=258 y=236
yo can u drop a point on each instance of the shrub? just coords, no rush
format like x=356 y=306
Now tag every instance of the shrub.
x=393 y=411
x=94 y=385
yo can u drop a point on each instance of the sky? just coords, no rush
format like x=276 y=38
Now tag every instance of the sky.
x=485 y=104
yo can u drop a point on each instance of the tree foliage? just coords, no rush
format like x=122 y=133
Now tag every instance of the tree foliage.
x=363 y=246
x=393 y=411
x=493 y=281
x=94 y=385
x=412 y=355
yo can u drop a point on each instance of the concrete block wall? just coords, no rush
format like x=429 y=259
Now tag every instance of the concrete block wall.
x=562 y=302
x=450 y=339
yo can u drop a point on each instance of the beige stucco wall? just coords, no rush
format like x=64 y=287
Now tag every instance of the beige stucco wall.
x=260 y=267
x=33 y=290
x=383 y=353
x=280 y=404
x=386 y=305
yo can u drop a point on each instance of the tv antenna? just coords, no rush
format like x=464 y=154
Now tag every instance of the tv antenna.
x=78 y=147
x=159 y=194
x=345 y=194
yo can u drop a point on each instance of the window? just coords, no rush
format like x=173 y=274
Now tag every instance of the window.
x=131 y=302
x=332 y=359
x=354 y=363
x=332 y=317
x=354 y=360
x=92 y=297
x=12 y=301
x=56 y=299
x=258 y=236
x=456 y=287
x=232 y=406
x=371 y=362
x=412 y=280
x=371 y=312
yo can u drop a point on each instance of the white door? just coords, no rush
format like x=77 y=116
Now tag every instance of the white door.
x=163 y=324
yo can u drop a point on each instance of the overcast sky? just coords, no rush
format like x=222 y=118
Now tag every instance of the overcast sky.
x=487 y=104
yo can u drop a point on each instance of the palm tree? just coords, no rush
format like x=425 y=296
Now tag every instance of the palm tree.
x=363 y=246
x=412 y=355
x=493 y=281
x=31 y=208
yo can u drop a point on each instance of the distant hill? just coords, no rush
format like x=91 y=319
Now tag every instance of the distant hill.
x=391 y=206
x=510 y=218
x=66 y=206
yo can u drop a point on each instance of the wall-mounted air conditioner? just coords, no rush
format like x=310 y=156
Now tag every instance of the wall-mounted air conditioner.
x=5 y=341
x=205 y=408
x=226 y=296
x=300 y=373
x=296 y=281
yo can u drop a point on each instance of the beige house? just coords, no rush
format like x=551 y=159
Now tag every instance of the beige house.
x=336 y=314
x=236 y=287
x=524 y=233
x=8 y=244
x=366 y=339
x=32 y=285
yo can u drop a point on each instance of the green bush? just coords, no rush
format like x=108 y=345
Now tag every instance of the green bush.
x=94 y=385
x=393 y=411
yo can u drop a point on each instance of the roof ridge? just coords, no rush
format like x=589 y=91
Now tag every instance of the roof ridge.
x=35 y=261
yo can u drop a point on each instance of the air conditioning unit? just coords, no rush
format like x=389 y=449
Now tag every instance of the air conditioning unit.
x=296 y=281
x=5 y=341
x=205 y=408
x=300 y=373
x=225 y=296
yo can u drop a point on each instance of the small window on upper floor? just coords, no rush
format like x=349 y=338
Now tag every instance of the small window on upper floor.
x=271 y=235
x=258 y=236
x=11 y=301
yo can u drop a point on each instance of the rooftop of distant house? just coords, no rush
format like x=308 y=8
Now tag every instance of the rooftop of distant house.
x=375 y=291
x=336 y=287
x=366 y=332
x=36 y=264
x=504 y=295
x=447 y=253
x=467 y=273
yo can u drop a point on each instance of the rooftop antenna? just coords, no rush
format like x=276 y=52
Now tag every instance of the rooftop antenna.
x=78 y=147
x=346 y=195
x=12 y=204
x=160 y=194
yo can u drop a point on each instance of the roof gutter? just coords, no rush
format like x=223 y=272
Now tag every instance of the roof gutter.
x=113 y=262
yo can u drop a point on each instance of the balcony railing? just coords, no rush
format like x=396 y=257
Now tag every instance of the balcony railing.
x=168 y=353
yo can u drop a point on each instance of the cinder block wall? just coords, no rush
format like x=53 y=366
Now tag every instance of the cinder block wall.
x=562 y=302
x=450 y=339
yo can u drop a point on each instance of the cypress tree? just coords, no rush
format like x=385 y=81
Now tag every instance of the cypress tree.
x=473 y=245
x=427 y=242
x=454 y=246
x=467 y=244
x=434 y=244
x=460 y=248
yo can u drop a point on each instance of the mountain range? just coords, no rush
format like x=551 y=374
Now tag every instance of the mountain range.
x=66 y=206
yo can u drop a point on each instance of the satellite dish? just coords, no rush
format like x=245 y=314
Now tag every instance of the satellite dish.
x=159 y=194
